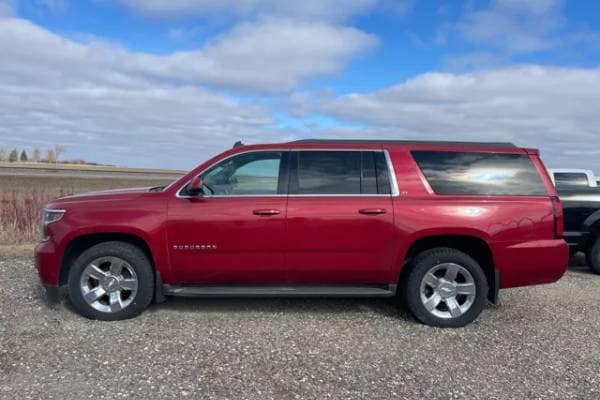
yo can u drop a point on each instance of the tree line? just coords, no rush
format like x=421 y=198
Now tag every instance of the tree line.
x=51 y=155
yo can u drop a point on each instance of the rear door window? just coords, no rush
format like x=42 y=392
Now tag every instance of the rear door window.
x=331 y=172
x=467 y=173
x=328 y=172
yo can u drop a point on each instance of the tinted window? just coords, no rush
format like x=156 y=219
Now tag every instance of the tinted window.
x=480 y=173
x=339 y=172
x=381 y=169
x=328 y=172
x=255 y=173
x=374 y=173
x=368 y=183
x=570 y=179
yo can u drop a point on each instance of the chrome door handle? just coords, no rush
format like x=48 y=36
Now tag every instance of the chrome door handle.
x=372 y=211
x=266 y=212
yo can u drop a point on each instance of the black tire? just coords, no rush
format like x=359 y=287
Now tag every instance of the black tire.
x=135 y=258
x=593 y=257
x=426 y=261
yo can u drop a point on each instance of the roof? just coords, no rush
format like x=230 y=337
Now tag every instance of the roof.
x=392 y=141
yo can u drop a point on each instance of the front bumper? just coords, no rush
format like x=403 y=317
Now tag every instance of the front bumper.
x=47 y=262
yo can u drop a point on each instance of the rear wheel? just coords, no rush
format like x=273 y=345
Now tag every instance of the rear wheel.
x=445 y=287
x=111 y=281
x=593 y=257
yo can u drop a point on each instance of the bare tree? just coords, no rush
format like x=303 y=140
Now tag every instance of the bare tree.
x=12 y=157
x=58 y=151
x=23 y=157
x=3 y=154
x=50 y=156
x=36 y=155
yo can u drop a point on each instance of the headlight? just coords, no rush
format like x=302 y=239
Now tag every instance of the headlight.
x=49 y=216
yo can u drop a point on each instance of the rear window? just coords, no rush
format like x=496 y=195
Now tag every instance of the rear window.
x=571 y=179
x=462 y=173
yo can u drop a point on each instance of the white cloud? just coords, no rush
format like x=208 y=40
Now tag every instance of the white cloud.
x=105 y=104
x=276 y=55
x=270 y=56
x=101 y=100
x=514 y=25
x=555 y=109
x=172 y=127
x=310 y=9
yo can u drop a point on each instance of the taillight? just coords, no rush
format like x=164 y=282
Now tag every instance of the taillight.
x=559 y=222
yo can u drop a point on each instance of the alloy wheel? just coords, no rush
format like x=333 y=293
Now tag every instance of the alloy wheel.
x=108 y=284
x=448 y=290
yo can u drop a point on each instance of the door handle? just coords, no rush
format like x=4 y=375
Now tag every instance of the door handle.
x=372 y=211
x=266 y=212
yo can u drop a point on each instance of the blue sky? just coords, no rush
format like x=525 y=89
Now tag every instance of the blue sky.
x=168 y=83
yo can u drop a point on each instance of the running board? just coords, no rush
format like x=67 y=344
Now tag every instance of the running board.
x=280 y=290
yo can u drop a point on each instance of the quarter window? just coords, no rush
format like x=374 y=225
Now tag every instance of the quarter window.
x=255 y=173
x=462 y=173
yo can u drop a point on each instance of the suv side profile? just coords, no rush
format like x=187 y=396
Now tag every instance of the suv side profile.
x=441 y=225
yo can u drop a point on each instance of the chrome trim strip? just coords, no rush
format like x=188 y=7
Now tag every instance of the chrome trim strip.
x=393 y=183
x=339 y=195
x=280 y=290
x=338 y=149
x=210 y=196
x=283 y=195
x=392 y=173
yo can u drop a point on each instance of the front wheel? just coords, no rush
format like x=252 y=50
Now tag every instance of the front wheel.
x=445 y=287
x=111 y=281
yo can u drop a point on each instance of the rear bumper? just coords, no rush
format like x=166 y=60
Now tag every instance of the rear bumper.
x=531 y=263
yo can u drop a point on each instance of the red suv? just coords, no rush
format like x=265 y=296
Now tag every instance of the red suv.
x=442 y=225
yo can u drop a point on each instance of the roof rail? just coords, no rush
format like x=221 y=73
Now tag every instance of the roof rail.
x=393 y=141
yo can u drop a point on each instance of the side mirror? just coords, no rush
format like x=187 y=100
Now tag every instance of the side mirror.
x=195 y=187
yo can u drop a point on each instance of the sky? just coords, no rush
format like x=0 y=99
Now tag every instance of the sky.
x=169 y=83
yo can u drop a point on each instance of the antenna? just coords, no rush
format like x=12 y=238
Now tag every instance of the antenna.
x=238 y=144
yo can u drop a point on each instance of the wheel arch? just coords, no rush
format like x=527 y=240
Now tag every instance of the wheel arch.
x=472 y=245
x=80 y=243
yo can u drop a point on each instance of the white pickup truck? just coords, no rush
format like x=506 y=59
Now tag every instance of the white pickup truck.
x=573 y=178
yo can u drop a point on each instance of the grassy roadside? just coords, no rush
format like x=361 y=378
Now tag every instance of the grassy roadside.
x=16 y=250
x=23 y=197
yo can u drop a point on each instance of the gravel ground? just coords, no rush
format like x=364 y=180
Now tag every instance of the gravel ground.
x=541 y=342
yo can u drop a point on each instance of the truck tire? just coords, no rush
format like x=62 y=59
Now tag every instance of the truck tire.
x=111 y=281
x=593 y=257
x=445 y=287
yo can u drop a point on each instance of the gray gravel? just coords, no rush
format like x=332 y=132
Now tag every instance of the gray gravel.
x=541 y=342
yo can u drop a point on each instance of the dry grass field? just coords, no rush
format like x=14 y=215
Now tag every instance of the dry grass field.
x=23 y=197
